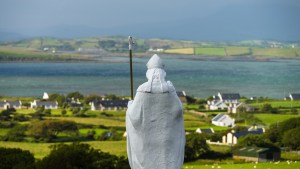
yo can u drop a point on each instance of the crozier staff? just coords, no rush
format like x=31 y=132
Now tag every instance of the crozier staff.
x=130 y=41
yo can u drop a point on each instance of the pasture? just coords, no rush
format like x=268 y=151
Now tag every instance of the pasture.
x=267 y=165
x=40 y=150
x=274 y=118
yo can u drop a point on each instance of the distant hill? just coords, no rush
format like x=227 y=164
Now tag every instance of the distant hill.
x=84 y=48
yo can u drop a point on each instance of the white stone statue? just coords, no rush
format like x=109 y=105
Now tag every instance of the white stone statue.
x=154 y=123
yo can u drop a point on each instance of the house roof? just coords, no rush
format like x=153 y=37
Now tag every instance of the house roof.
x=181 y=93
x=295 y=96
x=218 y=117
x=46 y=103
x=253 y=151
x=230 y=96
x=2 y=103
x=11 y=103
x=245 y=133
x=14 y=103
x=207 y=130
x=112 y=103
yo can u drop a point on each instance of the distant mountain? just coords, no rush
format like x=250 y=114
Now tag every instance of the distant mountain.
x=10 y=36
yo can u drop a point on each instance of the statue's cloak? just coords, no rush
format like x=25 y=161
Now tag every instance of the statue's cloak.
x=155 y=128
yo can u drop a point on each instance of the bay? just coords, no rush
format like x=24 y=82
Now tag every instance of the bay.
x=200 y=78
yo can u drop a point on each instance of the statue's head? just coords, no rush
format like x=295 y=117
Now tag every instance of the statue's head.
x=155 y=70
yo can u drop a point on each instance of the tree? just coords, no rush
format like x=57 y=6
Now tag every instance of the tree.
x=17 y=133
x=5 y=115
x=15 y=158
x=61 y=99
x=49 y=129
x=75 y=95
x=266 y=108
x=91 y=98
x=78 y=155
x=291 y=138
x=255 y=140
x=63 y=112
x=195 y=146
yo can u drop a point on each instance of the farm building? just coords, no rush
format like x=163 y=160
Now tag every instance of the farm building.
x=232 y=137
x=109 y=105
x=45 y=104
x=10 y=104
x=229 y=97
x=223 y=120
x=257 y=154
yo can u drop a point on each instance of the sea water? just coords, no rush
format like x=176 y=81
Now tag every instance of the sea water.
x=200 y=78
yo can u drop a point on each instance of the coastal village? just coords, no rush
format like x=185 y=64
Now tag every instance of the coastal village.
x=225 y=116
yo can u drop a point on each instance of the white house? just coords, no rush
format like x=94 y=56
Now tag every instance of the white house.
x=216 y=105
x=45 y=104
x=232 y=137
x=10 y=104
x=223 y=120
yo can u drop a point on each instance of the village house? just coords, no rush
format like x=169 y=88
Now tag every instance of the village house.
x=223 y=120
x=234 y=107
x=232 y=137
x=216 y=105
x=109 y=105
x=182 y=96
x=10 y=104
x=257 y=154
x=294 y=96
x=45 y=104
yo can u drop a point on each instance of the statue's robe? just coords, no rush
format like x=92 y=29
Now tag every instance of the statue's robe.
x=155 y=128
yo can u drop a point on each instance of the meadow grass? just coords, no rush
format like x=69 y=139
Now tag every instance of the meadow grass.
x=93 y=121
x=278 y=103
x=40 y=150
x=274 y=118
x=267 y=165
x=3 y=131
x=84 y=131
x=210 y=51
x=282 y=52
x=220 y=148
x=237 y=51
x=186 y=51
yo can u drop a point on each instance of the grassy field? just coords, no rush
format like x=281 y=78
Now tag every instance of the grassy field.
x=274 y=118
x=40 y=150
x=273 y=165
x=278 y=103
x=185 y=51
x=210 y=51
x=237 y=51
x=94 y=121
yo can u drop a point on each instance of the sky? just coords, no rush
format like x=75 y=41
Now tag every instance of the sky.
x=203 y=20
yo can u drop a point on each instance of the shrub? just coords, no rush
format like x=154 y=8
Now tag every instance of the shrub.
x=15 y=158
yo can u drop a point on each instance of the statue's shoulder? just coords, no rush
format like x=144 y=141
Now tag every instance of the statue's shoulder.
x=143 y=87
x=146 y=87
